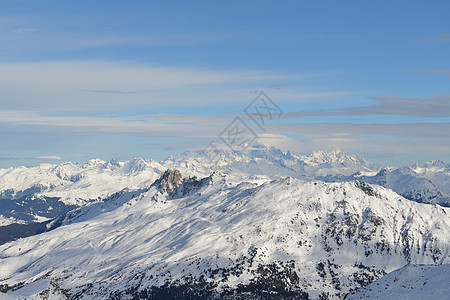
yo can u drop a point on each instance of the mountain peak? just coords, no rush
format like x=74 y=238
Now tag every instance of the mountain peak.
x=94 y=162
x=168 y=181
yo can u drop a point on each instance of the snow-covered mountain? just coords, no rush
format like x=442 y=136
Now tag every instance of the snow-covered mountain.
x=45 y=192
x=218 y=238
x=412 y=282
x=71 y=182
x=262 y=162
x=425 y=182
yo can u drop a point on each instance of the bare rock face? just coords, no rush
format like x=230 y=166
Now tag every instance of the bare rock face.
x=168 y=182
x=172 y=183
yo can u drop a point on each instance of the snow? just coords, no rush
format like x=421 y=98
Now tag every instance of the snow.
x=39 y=290
x=345 y=226
x=263 y=208
x=271 y=162
x=74 y=183
x=409 y=283
x=7 y=221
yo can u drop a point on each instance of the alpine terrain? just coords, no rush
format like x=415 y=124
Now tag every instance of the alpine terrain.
x=257 y=224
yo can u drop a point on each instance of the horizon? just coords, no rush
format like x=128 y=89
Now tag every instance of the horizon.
x=59 y=161
x=109 y=79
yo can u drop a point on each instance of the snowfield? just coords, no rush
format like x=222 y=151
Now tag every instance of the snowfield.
x=220 y=238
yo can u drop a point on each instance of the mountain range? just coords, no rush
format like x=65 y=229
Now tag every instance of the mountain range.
x=258 y=224
x=42 y=193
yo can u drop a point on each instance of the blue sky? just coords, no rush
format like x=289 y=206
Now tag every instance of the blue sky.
x=84 y=79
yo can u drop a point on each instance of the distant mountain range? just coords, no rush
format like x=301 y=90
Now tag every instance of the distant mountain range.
x=45 y=192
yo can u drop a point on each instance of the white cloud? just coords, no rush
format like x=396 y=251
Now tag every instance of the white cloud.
x=280 y=141
x=50 y=157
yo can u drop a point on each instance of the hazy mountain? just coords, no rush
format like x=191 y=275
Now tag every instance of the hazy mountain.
x=262 y=162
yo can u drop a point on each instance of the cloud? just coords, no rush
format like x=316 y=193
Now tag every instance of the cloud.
x=277 y=86
x=25 y=30
x=156 y=125
x=51 y=157
x=326 y=36
x=435 y=106
x=9 y=158
x=443 y=37
x=88 y=85
x=111 y=92
x=438 y=71
x=182 y=132
x=280 y=141
x=373 y=139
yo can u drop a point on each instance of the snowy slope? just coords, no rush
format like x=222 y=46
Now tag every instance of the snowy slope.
x=437 y=171
x=412 y=282
x=426 y=182
x=214 y=237
x=39 y=290
x=411 y=185
x=46 y=192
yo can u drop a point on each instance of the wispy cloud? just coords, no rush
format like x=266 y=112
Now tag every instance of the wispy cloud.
x=442 y=38
x=50 y=157
x=110 y=92
x=277 y=86
x=86 y=85
x=373 y=139
x=436 y=106
x=162 y=125
x=326 y=36
x=437 y=71
x=26 y=30
x=9 y=158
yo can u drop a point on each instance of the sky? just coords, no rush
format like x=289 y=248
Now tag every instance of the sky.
x=124 y=79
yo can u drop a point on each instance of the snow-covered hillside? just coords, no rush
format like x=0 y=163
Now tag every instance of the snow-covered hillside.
x=217 y=238
x=39 y=290
x=412 y=282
